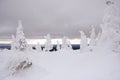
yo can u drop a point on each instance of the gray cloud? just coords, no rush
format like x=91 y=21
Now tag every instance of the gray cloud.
x=57 y=17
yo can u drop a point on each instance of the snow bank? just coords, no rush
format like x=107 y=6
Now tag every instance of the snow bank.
x=63 y=65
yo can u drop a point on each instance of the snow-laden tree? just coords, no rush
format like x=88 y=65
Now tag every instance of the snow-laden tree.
x=65 y=43
x=92 y=37
x=48 y=43
x=111 y=26
x=19 y=62
x=98 y=38
x=21 y=43
x=58 y=46
x=84 y=41
x=38 y=47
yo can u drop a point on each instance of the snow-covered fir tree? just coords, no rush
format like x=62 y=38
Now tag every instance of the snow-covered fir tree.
x=111 y=26
x=92 y=37
x=19 y=62
x=84 y=41
x=21 y=43
x=48 y=43
x=65 y=43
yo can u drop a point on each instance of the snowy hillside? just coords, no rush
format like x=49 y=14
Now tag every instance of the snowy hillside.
x=63 y=65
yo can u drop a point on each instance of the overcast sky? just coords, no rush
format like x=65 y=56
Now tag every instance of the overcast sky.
x=57 y=17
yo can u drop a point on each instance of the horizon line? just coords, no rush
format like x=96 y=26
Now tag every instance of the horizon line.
x=42 y=41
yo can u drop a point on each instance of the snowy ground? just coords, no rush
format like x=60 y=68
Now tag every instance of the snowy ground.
x=63 y=65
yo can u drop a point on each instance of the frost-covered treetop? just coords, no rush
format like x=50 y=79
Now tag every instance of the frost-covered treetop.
x=64 y=40
x=13 y=37
x=112 y=9
x=111 y=14
x=48 y=38
x=19 y=33
x=20 y=26
x=82 y=33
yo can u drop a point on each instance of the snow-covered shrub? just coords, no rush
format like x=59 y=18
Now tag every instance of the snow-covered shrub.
x=14 y=62
x=17 y=66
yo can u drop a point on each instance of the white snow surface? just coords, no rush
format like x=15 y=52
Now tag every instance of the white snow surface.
x=99 y=64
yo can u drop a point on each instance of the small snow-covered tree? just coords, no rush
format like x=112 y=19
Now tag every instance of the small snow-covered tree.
x=111 y=26
x=21 y=43
x=66 y=43
x=84 y=41
x=38 y=47
x=98 y=37
x=58 y=46
x=92 y=37
x=48 y=43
